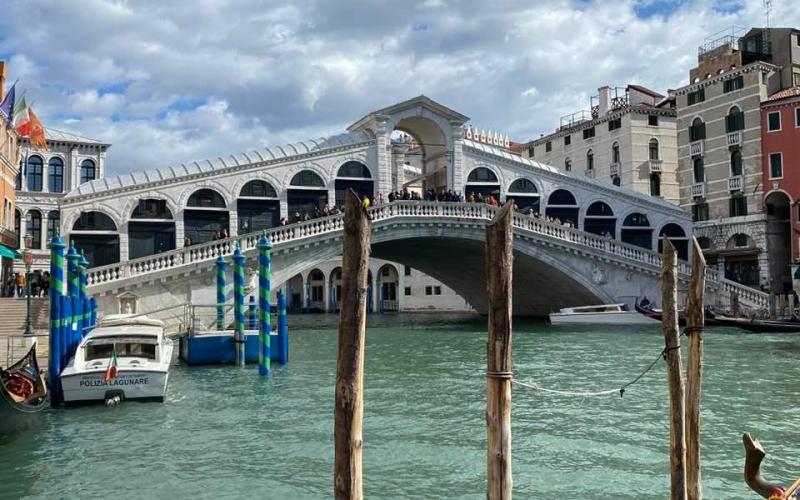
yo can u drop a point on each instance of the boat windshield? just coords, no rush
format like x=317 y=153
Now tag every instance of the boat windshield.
x=124 y=350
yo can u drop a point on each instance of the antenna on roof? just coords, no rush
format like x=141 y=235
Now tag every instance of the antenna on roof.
x=767 y=10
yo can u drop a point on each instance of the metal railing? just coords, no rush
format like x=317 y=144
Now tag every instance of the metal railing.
x=697 y=148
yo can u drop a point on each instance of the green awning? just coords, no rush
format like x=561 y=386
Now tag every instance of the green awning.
x=9 y=253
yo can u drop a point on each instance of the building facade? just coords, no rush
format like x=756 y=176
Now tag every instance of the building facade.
x=719 y=148
x=780 y=144
x=44 y=178
x=627 y=138
x=9 y=165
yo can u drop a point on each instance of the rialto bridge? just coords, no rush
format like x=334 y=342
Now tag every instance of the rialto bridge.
x=154 y=235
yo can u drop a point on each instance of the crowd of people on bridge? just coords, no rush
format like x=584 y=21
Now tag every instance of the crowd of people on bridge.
x=16 y=285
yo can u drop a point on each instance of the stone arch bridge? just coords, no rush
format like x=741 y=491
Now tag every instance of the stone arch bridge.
x=555 y=265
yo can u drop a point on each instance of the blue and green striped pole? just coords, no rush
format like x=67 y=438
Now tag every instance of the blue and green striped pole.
x=221 y=286
x=56 y=290
x=238 y=306
x=283 y=330
x=73 y=291
x=265 y=322
x=85 y=303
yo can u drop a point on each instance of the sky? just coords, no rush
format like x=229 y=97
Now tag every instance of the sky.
x=172 y=82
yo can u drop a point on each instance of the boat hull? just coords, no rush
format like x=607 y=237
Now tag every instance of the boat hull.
x=601 y=318
x=130 y=384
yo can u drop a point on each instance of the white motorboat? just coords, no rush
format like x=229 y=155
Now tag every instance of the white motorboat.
x=604 y=314
x=123 y=356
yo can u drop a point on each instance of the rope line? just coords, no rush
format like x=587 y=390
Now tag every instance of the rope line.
x=621 y=391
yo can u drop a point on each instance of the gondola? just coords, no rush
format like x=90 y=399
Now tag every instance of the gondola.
x=761 y=325
x=23 y=395
x=649 y=310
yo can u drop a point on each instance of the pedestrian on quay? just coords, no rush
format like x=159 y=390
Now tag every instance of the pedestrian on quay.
x=20 y=280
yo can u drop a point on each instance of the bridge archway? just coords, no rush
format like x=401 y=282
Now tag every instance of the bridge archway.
x=561 y=204
x=387 y=286
x=257 y=207
x=205 y=214
x=307 y=193
x=96 y=235
x=315 y=290
x=356 y=176
x=600 y=219
x=429 y=144
x=524 y=193
x=151 y=228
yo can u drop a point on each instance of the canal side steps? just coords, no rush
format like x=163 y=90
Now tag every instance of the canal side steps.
x=113 y=277
x=13 y=313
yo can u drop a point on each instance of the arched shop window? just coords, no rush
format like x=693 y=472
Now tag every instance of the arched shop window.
x=356 y=176
x=636 y=230
x=525 y=195
x=95 y=234
x=306 y=196
x=600 y=220
x=561 y=205
x=151 y=229
x=257 y=207
x=484 y=181
x=205 y=217
x=677 y=236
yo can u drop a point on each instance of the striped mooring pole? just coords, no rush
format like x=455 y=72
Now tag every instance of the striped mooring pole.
x=238 y=306
x=265 y=321
x=74 y=292
x=221 y=286
x=283 y=330
x=85 y=302
x=56 y=290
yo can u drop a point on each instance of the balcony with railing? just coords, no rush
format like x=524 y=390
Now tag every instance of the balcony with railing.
x=734 y=138
x=656 y=166
x=736 y=183
x=613 y=169
x=698 y=189
x=697 y=148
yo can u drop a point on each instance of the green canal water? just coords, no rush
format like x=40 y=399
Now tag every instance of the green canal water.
x=225 y=433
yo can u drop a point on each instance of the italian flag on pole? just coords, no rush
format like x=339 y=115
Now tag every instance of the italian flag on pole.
x=111 y=371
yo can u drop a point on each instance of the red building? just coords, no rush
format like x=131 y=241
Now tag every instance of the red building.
x=780 y=157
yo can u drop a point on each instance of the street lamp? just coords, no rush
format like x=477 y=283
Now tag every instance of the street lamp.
x=27 y=258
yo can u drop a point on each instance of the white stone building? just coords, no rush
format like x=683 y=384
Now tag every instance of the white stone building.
x=628 y=138
x=44 y=178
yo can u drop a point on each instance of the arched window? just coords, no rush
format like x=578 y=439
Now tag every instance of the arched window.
x=561 y=205
x=17 y=221
x=615 y=153
x=94 y=221
x=152 y=209
x=699 y=170
x=482 y=174
x=677 y=236
x=307 y=178
x=736 y=162
x=600 y=219
x=258 y=189
x=589 y=160
x=34 y=176
x=53 y=224
x=568 y=165
x=33 y=222
x=206 y=198
x=655 y=184
x=653 y=149
x=697 y=131
x=55 y=175
x=354 y=170
x=88 y=171
x=525 y=195
x=735 y=120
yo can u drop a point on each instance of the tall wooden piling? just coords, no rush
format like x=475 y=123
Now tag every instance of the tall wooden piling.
x=669 y=326
x=695 y=320
x=349 y=402
x=499 y=264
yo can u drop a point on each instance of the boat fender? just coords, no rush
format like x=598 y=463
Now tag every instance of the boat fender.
x=113 y=401
x=778 y=494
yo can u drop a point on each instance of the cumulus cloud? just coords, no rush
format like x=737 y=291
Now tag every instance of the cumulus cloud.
x=170 y=82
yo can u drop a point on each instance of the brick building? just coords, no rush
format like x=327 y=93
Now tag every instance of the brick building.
x=9 y=165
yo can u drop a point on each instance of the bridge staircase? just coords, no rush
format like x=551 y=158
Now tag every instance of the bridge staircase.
x=125 y=275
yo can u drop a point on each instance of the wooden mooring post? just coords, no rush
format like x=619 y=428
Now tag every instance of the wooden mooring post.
x=669 y=326
x=499 y=264
x=349 y=399
x=695 y=319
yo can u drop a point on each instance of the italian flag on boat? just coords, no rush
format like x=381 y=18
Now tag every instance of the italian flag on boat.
x=111 y=371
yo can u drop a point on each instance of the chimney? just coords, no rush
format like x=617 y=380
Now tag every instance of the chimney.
x=603 y=102
x=3 y=68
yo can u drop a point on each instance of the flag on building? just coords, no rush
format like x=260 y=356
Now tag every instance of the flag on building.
x=111 y=371
x=33 y=129
x=7 y=106
x=21 y=111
